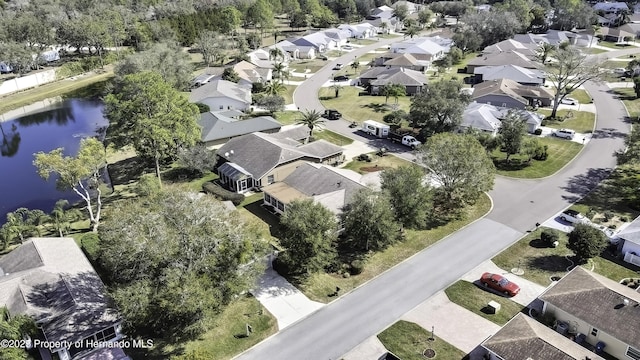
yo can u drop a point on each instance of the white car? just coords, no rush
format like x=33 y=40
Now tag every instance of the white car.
x=347 y=47
x=572 y=216
x=619 y=71
x=565 y=134
x=569 y=101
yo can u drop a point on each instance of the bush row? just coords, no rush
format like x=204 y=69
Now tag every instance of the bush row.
x=222 y=193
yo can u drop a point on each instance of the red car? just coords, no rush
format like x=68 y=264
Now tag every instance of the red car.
x=499 y=283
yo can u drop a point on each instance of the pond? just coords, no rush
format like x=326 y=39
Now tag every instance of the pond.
x=62 y=124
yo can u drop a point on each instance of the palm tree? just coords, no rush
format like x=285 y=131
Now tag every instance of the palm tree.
x=384 y=26
x=411 y=31
x=62 y=217
x=277 y=69
x=385 y=90
x=285 y=74
x=336 y=88
x=544 y=51
x=397 y=90
x=355 y=65
x=274 y=88
x=275 y=54
x=312 y=119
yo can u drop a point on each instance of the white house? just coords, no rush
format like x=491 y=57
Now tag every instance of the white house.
x=512 y=72
x=487 y=118
x=630 y=242
x=360 y=31
x=420 y=46
x=611 y=7
x=222 y=95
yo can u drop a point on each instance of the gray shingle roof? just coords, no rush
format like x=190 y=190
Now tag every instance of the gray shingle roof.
x=56 y=284
x=221 y=88
x=504 y=58
x=258 y=153
x=400 y=76
x=216 y=126
x=631 y=232
x=597 y=301
x=510 y=88
x=524 y=338
x=511 y=72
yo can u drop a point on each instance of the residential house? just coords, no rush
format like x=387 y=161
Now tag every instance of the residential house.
x=381 y=12
x=488 y=118
x=483 y=7
x=395 y=60
x=618 y=34
x=525 y=338
x=431 y=49
x=325 y=40
x=612 y=7
x=209 y=75
x=222 y=95
x=629 y=242
x=256 y=160
x=557 y=37
x=262 y=57
x=632 y=28
x=411 y=6
x=384 y=14
x=341 y=37
x=502 y=58
x=296 y=51
x=326 y=185
x=377 y=77
x=50 y=280
x=529 y=50
x=508 y=93
x=219 y=127
x=516 y=73
x=250 y=73
x=360 y=31
x=597 y=311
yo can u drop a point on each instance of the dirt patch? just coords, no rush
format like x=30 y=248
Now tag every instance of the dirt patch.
x=373 y=168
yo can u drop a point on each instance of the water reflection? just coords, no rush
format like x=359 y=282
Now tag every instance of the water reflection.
x=10 y=141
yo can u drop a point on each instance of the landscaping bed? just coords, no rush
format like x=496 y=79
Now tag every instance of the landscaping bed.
x=560 y=152
x=408 y=340
x=475 y=299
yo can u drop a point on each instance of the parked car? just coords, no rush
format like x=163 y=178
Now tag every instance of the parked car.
x=332 y=114
x=569 y=101
x=499 y=283
x=337 y=67
x=619 y=71
x=572 y=216
x=565 y=134
x=340 y=78
x=322 y=57
x=347 y=47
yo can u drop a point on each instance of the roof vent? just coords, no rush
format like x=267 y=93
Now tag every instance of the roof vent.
x=625 y=302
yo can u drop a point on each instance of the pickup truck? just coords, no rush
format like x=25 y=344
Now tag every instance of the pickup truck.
x=404 y=139
x=332 y=114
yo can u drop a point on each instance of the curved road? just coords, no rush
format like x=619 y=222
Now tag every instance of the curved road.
x=518 y=205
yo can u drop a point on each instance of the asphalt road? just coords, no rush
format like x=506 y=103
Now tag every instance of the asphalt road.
x=518 y=205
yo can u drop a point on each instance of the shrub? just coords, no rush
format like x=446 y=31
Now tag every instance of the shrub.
x=538 y=132
x=90 y=246
x=357 y=267
x=549 y=236
x=147 y=185
x=541 y=153
x=203 y=108
x=544 y=122
x=608 y=215
x=222 y=193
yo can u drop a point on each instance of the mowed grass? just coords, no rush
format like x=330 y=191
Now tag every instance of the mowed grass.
x=227 y=335
x=541 y=262
x=318 y=286
x=382 y=162
x=309 y=66
x=360 y=108
x=287 y=117
x=628 y=97
x=331 y=137
x=580 y=121
x=616 y=46
x=475 y=299
x=560 y=151
x=581 y=95
x=408 y=340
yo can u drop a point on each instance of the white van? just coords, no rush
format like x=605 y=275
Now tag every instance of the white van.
x=565 y=134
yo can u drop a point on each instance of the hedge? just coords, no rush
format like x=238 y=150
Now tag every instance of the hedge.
x=222 y=193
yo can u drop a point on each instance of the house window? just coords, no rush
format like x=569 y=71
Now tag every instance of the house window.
x=594 y=331
x=267 y=198
x=633 y=353
x=270 y=179
x=280 y=206
x=221 y=107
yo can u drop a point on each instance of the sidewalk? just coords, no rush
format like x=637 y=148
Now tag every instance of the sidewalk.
x=282 y=299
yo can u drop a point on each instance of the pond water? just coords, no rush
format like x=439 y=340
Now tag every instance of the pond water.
x=63 y=124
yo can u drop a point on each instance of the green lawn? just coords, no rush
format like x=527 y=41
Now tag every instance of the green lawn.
x=616 y=46
x=582 y=96
x=560 y=151
x=318 y=286
x=368 y=57
x=580 y=121
x=288 y=95
x=360 y=108
x=312 y=65
x=287 y=117
x=331 y=137
x=382 y=162
x=541 y=262
x=475 y=299
x=408 y=340
x=595 y=51
x=628 y=97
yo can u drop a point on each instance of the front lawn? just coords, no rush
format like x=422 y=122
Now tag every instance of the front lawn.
x=616 y=46
x=560 y=151
x=331 y=137
x=377 y=163
x=580 y=121
x=475 y=299
x=581 y=95
x=408 y=340
x=309 y=66
x=628 y=97
x=541 y=262
x=318 y=286
x=360 y=108
x=287 y=117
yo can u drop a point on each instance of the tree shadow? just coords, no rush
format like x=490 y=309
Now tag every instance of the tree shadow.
x=582 y=184
x=551 y=263
x=128 y=170
x=273 y=220
x=539 y=244
x=377 y=107
x=608 y=133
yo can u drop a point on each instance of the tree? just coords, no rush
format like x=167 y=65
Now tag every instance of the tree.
x=460 y=165
x=439 y=107
x=369 y=222
x=309 y=231
x=62 y=216
x=570 y=14
x=276 y=54
x=544 y=51
x=24 y=222
x=395 y=117
x=401 y=12
x=152 y=116
x=176 y=259
x=312 y=119
x=230 y=74
x=260 y=15
x=512 y=131
x=17 y=56
x=355 y=65
x=274 y=88
x=521 y=9
x=209 y=43
x=487 y=140
x=298 y=19
x=82 y=173
x=411 y=31
x=395 y=91
x=491 y=26
x=636 y=86
x=271 y=102
x=16 y=327
x=197 y=159
x=571 y=70
x=586 y=242
x=410 y=198
x=424 y=17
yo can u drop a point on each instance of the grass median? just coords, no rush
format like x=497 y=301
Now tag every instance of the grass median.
x=475 y=299
x=408 y=340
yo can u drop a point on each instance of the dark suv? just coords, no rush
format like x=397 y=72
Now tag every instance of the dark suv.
x=332 y=114
x=340 y=78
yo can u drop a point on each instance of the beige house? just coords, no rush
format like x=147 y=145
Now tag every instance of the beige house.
x=597 y=311
x=256 y=160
